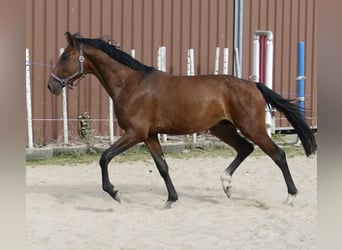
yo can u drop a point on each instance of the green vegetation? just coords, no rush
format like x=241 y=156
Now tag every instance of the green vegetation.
x=140 y=153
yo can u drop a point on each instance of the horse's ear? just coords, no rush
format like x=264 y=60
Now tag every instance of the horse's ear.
x=70 y=38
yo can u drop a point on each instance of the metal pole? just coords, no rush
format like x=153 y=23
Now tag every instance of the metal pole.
x=238 y=33
x=301 y=77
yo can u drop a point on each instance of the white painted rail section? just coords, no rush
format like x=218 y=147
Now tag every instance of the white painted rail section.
x=111 y=120
x=237 y=63
x=191 y=72
x=65 y=111
x=162 y=67
x=225 y=61
x=28 y=101
x=217 y=61
x=256 y=59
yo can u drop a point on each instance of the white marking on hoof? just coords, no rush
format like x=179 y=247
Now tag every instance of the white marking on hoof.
x=118 y=197
x=168 y=204
x=289 y=200
x=226 y=181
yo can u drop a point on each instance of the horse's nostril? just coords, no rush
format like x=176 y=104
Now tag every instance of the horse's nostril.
x=49 y=86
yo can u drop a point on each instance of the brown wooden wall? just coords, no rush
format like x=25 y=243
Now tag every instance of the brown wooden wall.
x=291 y=21
x=145 y=25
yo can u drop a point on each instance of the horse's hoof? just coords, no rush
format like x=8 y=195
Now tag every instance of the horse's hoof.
x=228 y=193
x=226 y=181
x=289 y=200
x=168 y=204
x=117 y=196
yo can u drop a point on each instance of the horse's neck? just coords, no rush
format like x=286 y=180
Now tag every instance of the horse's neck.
x=113 y=75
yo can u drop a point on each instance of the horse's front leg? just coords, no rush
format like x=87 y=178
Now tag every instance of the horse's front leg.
x=153 y=145
x=126 y=141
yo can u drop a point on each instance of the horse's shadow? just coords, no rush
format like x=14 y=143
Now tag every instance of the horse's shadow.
x=146 y=195
x=78 y=196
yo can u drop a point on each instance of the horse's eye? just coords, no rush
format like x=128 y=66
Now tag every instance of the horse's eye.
x=64 y=56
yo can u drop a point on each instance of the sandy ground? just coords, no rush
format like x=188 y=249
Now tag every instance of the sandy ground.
x=66 y=208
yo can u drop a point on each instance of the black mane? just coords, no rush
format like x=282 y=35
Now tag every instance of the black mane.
x=116 y=54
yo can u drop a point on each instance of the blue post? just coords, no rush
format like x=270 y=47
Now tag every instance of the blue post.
x=301 y=77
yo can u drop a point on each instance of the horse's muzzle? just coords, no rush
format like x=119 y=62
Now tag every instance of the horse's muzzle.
x=54 y=87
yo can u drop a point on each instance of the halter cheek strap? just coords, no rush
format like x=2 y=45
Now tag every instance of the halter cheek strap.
x=64 y=81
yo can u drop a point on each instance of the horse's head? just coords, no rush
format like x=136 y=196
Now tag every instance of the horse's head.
x=69 y=66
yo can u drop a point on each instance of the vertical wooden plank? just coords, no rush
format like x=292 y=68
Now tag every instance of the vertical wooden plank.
x=212 y=34
x=310 y=53
x=185 y=35
x=117 y=27
x=50 y=59
x=313 y=91
x=176 y=37
x=251 y=24
x=37 y=87
x=148 y=54
x=157 y=28
x=278 y=40
x=73 y=12
x=247 y=41
x=62 y=27
x=167 y=33
x=127 y=25
x=262 y=14
x=204 y=43
x=230 y=34
x=195 y=32
x=73 y=96
x=221 y=24
x=117 y=20
x=285 y=86
x=84 y=18
x=106 y=19
x=96 y=97
x=29 y=23
x=293 y=48
x=84 y=91
x=62 y=19
x=137 y=29
x=106 y=29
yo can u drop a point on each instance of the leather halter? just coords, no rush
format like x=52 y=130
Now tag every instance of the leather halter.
x=64 y=81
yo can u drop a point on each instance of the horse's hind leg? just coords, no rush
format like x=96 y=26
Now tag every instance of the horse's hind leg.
x=261 y=138
x=154 y=147
x=279 y=157
x=226 y=132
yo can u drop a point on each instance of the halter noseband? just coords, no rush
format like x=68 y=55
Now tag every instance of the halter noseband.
x=64 y=81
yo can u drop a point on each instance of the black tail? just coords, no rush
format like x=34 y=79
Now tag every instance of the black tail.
x=291 y=111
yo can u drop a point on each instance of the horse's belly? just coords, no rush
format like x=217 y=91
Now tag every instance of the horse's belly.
x=176 y=125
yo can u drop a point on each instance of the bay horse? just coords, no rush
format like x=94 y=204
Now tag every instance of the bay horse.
x=148 y=101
